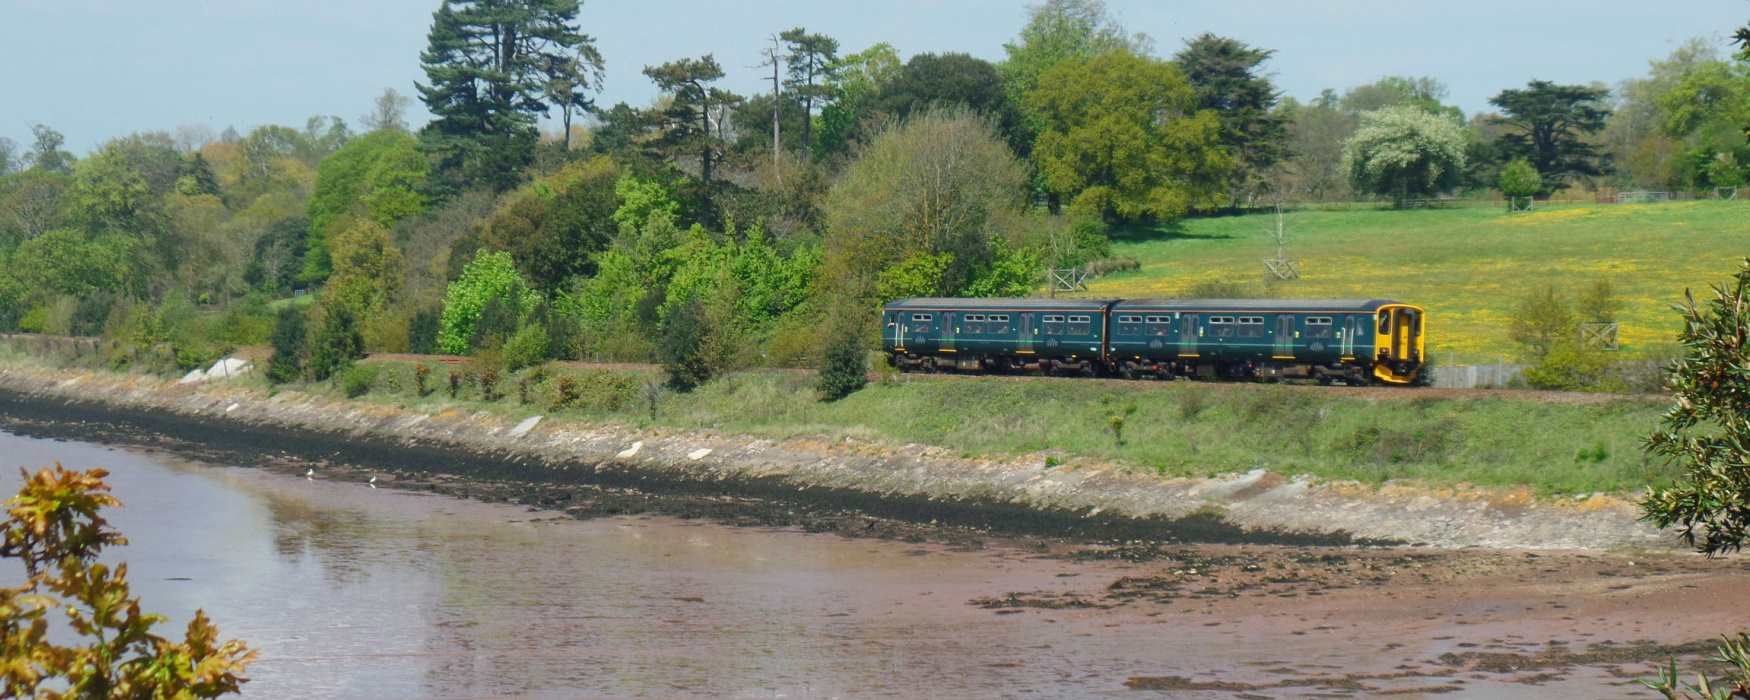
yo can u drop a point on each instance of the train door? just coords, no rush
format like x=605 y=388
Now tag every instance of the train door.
x=1353 y=326
x=1188 y=335
x=1029 y=331
x=1284 y=349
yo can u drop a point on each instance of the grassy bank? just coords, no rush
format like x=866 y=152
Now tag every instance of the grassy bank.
x=1178 y=429
x=1467 y=266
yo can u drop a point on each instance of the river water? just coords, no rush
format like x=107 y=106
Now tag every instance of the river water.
x=350 y=591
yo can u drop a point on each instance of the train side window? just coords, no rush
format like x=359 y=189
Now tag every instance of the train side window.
x=1221 y=326
x=1318 y=327
x=1080 y=325
x=998 y=323
x=1159 y=325
x=920 y=323
x=1053 y=324
x=1251 y=326
x=1129 y=325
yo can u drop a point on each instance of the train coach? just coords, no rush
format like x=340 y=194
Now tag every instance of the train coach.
x=1352 y=341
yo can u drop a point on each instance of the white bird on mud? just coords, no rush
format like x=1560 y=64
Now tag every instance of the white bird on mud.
x=373 y=481
x=309 y=474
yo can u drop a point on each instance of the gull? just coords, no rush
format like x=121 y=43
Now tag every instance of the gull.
x=373 y=481
x=309 y=474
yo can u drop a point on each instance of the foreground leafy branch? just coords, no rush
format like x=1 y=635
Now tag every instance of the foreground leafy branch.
x=54 y=528
x=1733 y=652
x=1707 y=430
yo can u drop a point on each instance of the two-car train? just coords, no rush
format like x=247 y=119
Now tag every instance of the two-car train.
x=1352 y=341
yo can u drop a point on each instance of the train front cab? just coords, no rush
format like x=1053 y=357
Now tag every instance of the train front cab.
x=1399 y=343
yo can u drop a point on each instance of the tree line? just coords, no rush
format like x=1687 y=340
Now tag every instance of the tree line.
x=771 y=223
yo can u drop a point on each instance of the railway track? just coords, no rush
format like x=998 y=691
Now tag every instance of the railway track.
x=1388 y=393
x=1384 y=393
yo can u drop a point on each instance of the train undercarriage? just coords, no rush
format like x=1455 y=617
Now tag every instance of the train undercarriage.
x=1353 y=374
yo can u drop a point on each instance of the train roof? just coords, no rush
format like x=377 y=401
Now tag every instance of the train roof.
x=952 y=304
x=1367 y=305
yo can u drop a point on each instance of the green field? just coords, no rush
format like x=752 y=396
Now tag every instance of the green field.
x=1467 y=266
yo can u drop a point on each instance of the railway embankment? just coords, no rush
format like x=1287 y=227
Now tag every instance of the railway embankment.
x=1041 y=492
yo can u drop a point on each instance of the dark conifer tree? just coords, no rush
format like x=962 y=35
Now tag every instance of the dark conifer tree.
x=486 y=66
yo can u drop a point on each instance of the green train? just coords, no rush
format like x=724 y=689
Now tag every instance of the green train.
x=1351 y=341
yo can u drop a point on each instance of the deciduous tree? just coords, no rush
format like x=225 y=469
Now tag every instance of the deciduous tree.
x=1059 y=31
x=1123 y=138
x=856 y=82
x=388 y=111
x=555 y=225
x=46 y=153
x=488 y=275
x=1404 y=152
x=939 y=184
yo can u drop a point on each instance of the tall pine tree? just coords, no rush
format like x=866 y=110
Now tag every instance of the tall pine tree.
x=811 y=58
x=486 y=67
x=1225 y=74
x=687 y=120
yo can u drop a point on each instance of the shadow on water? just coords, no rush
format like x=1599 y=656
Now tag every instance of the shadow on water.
x=762 y=501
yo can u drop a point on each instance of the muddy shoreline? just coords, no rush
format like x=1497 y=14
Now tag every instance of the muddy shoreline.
x=599 y=489
x=831 y=479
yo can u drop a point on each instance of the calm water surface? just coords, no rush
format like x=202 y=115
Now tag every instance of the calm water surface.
x=350 y=591
x=354 y=592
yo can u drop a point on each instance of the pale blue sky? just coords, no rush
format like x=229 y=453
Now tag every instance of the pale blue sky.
x=97 y=69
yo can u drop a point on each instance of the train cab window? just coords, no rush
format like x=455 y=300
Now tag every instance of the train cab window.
x=1318 y=327
x=1221 y=326
x=1053 y=324
x=1384 y=323
x=1251 y=326
x=996 y=323
x=1129 y=325
x=1080 y=325
x=920 y=323
x=1160 y=325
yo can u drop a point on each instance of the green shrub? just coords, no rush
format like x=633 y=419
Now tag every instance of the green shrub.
x=1540 y=320
x=288 y=347
x=358 y=379
x=338 y=343
x=568 y=393
x=527 y=347
x=683 y=348
x=845 y=370
x=1520 y=179
x=422 y=332
x=498 y=321
x=421 y=380
x=1568 y=366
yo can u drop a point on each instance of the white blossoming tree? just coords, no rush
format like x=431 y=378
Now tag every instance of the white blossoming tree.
x=1404 y=152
